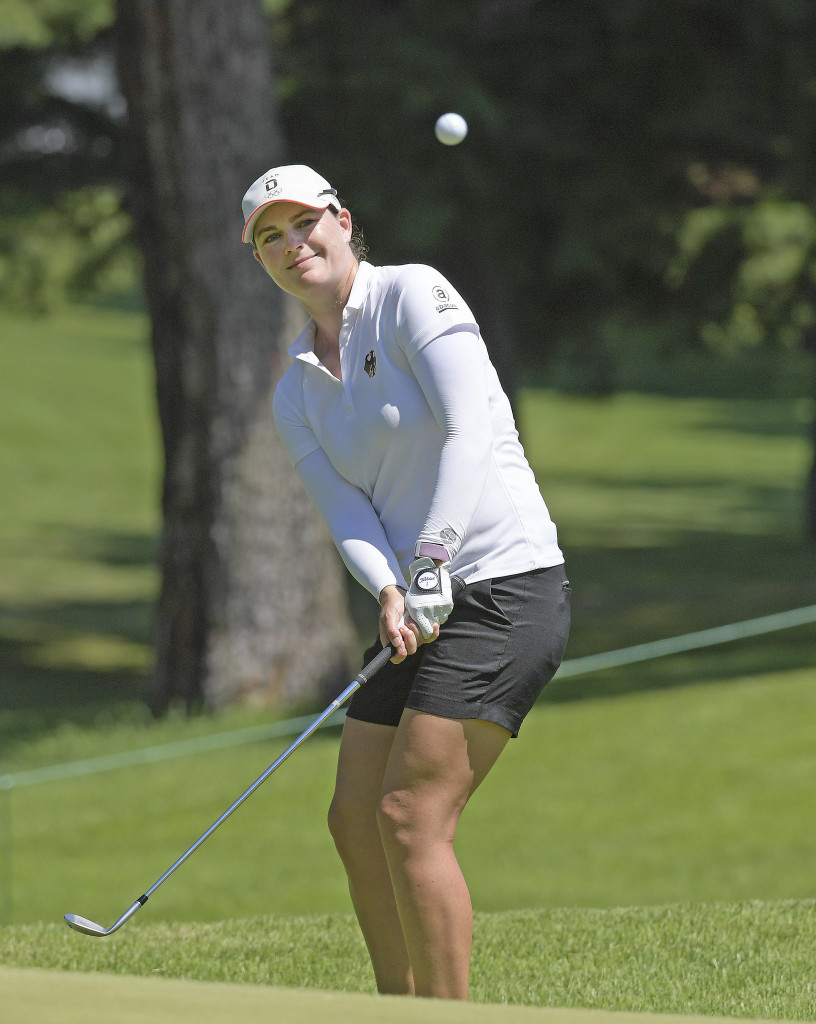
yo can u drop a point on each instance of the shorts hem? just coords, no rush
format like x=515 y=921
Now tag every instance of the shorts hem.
x=468 y=712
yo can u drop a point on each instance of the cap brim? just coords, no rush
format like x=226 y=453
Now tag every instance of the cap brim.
x=249 y=227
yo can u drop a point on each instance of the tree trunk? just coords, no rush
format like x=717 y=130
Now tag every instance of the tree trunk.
x=252 y=604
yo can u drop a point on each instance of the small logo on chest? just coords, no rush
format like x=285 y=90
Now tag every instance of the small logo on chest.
x=370 y=364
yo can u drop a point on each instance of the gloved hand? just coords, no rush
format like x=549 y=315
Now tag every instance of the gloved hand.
x=429 y=599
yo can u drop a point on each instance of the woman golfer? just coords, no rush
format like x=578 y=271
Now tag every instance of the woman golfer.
x=394 y=418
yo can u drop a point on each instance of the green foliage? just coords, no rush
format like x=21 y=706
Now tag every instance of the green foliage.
x=39 y=23
x=78 y=248
x=600 y=139
x=773 y=278
x=634 y=182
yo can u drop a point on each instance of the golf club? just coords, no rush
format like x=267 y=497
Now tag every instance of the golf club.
x=82 y=924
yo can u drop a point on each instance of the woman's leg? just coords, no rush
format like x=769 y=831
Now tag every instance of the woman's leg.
x=435 y=764
x=364 y=752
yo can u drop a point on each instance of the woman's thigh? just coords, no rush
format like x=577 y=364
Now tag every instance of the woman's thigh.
x=361 y=763
x=435 y=765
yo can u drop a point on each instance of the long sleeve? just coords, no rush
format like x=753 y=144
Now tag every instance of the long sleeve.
x=352 y=522
x=451 y=373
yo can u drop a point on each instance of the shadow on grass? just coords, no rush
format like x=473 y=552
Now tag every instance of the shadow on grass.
x=113 y=549
x=80 y=662
x=42 y=690
x=622 y=595
x=781 y=418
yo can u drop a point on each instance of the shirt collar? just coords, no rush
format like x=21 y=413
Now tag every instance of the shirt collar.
x=360 y=286
x=303 y=345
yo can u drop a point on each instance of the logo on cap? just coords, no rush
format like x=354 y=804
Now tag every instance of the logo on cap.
x=272 y=183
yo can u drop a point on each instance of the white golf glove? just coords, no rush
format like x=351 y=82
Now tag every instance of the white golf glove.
x=429 y=599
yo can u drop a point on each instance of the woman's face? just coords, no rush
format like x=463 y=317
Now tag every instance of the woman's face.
x=303 y=249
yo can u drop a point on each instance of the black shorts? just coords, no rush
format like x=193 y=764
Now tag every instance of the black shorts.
x=501 y=645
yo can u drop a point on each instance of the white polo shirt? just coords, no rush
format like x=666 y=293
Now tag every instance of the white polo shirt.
x=417 y=442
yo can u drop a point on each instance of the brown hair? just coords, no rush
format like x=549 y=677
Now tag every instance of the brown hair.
x=357 y=243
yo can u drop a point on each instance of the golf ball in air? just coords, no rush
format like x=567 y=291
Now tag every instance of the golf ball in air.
x=451 y=129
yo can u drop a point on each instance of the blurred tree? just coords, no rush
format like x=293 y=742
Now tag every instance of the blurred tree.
x=636 y=185
x=63 y=230
x=252 y=604
x=597 y=128
x=594 y=128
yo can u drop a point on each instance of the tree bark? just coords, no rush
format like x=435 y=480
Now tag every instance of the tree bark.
x=252 y=604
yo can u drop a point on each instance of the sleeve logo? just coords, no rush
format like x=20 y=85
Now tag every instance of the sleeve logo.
x=370 y=364
x=443 y=299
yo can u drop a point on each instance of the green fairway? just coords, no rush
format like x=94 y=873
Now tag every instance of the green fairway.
x=79 y=462
x=31 y=997
x=676 y=514
x=685 y=793
x=644 y=846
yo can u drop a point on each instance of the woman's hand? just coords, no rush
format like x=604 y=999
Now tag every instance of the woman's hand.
x=397 y=627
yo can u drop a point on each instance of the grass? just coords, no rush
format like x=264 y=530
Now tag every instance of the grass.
x=30 y=996
x=676 y=514
x=643 y=846
x=693 y=792
x=742 y=960
x=79 y=462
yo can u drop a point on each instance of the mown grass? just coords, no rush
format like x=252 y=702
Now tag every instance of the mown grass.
x=678 y=788
x=675 y=514
x=696 y=792
x=79 y=462
x=743 y=960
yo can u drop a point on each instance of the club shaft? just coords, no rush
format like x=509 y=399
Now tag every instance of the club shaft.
x=307 y=732
x=371 y=669
x=365 y=674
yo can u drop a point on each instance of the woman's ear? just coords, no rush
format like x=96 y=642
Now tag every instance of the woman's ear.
x=344 y=217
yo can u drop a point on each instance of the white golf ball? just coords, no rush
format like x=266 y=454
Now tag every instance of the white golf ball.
x=451 y=129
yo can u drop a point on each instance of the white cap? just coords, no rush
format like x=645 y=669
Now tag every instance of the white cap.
x=294 y=183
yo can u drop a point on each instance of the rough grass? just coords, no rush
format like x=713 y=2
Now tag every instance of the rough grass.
x=735 y=959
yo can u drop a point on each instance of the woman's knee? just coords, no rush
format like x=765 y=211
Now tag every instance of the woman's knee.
x=403 y=821
x=339 y=820
x=352 y=827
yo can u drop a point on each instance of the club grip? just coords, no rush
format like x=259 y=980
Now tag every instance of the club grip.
x=387 y=653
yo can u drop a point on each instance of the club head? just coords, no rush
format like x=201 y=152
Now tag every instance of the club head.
x=82 y=924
